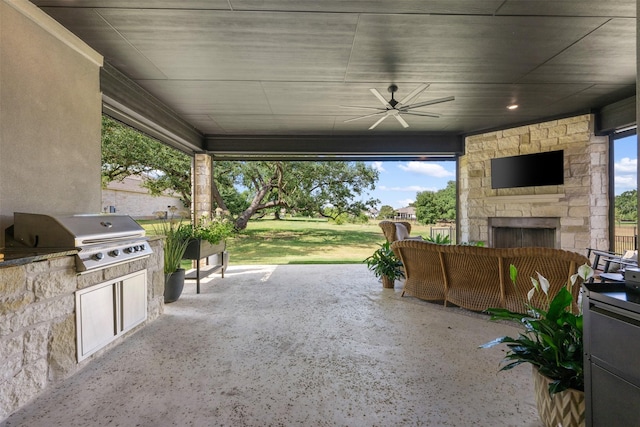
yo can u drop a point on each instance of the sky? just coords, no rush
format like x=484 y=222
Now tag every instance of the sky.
x=399 y=182
x=625 y=156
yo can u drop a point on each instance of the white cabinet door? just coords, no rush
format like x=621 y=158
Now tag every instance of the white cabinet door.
x=108 y=310
x=134 y=300
x=96 y=318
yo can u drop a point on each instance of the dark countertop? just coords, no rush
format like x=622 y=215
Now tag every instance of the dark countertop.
x=616 y=294
x=11 y=257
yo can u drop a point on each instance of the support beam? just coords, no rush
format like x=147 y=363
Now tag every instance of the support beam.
x=127 y=102
x=335 y=147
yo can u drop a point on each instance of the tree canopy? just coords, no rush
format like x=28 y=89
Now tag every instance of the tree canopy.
x=626 y=206
x=306 y=188
x=386 y=212
x=432 y=206
x=126 y=152
x=243 y=189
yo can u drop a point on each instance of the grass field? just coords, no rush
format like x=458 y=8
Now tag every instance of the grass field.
x=301 y=241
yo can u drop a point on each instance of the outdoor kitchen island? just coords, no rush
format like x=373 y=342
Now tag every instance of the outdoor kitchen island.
x=38 y=314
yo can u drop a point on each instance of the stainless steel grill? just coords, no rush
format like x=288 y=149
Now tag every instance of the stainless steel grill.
x=102 y=240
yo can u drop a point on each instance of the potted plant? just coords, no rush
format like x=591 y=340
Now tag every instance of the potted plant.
x=552 y=342
x=174 y=247
x=385 y=265
x=207 y=236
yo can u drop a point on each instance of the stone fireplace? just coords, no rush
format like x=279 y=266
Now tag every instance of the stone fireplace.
x=518 y=232
x=572 y=216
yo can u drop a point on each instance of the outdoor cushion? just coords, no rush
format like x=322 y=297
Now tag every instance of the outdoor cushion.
x=629 y=257
x=401 y=232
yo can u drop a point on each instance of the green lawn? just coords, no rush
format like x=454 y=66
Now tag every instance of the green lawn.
x=300 y=241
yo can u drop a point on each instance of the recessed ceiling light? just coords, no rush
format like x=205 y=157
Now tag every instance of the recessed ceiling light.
x=512 y=106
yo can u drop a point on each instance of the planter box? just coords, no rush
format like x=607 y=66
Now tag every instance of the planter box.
x=199 y=249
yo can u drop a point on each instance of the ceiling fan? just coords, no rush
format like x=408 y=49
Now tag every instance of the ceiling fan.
x=395 y=108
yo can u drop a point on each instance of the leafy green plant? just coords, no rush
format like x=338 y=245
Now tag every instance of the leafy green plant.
x=552 y=339
x=213 y=230
x=478 y=243
x=174 y=244
x=384 y=262
x=439 y=239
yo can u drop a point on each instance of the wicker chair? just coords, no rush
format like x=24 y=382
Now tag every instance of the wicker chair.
x=477 y=278
x=389 y=229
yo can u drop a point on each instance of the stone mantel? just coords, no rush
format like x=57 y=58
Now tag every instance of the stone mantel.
x=533 y=198
x=525 y=222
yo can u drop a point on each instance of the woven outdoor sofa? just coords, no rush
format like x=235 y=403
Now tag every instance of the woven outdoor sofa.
x=477 y=278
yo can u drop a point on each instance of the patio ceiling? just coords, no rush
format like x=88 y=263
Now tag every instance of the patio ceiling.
x=258 y=76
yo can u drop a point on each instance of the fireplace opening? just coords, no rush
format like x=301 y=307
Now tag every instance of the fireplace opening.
x=524 y=232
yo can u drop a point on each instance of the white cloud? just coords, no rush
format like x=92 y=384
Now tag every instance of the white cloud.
x=427 y=168
x=378 y=166
x=412 y=188
x=623 y=182
x=626 y=165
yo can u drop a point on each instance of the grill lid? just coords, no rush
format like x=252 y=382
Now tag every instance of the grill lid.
x=77 y=231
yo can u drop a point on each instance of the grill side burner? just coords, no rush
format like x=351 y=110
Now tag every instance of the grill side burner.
x=102 y=240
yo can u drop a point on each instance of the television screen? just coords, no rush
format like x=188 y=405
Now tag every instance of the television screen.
x=528 y=170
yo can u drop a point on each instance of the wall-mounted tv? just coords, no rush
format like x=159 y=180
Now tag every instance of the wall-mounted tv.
x=528 y=170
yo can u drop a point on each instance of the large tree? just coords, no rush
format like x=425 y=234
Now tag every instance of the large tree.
x=386 y=212
x=432 y=206
x=302 y=187
x=244 y=189
x=126 y=152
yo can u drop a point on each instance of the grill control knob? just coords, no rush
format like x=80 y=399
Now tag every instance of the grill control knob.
x=115 y=252
x=141 y=247
x=98 y=256
x=129 y=250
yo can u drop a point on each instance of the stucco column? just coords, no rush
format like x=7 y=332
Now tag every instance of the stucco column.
x=202 y=176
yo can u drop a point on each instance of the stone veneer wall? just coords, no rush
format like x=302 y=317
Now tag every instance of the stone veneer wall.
x=582 y=203
x=202 y=175
x=37 y=321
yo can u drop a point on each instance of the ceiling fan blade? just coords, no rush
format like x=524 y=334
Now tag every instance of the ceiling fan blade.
x=413 y=113
x=364 y=117
x=425 y=103
x=357 y=107
x=402 y=121
x=379 y=121
x=380 y=97
x=417 y=91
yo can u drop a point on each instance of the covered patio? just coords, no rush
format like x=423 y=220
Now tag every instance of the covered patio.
x=311 y=345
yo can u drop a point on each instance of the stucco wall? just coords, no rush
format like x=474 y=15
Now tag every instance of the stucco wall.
x=50 y=117
x=582 y=203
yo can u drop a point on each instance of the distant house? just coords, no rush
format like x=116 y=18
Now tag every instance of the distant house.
x=373 y=213
x=408 y=213
x=129 y=197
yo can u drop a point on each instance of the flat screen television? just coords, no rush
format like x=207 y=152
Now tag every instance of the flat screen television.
x=528 y=170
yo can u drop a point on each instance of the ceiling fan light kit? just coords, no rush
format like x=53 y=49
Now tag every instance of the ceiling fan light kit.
x=394 y=107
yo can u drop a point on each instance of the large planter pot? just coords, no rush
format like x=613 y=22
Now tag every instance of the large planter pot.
x=173 y=285
x=388 y=283
x=564 y=409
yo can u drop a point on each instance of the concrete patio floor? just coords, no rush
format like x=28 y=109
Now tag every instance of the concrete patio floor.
x=296 y=345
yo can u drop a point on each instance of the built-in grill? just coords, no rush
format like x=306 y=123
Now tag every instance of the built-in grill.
x=102 y=240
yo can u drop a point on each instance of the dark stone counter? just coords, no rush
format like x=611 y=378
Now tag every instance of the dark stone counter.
x=11 y=257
